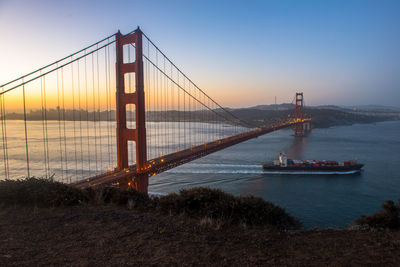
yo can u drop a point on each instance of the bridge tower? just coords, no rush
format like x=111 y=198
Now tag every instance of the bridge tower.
x=138 y=135
x=298 y=128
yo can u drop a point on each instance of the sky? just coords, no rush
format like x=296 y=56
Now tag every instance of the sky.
x=242 y=53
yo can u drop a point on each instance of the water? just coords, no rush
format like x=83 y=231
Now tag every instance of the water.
x=76 y=150
x=317 y=200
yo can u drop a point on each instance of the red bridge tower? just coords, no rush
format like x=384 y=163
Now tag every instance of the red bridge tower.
x=124 y=134
x=298 y=128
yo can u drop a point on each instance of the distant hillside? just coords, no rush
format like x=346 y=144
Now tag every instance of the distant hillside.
x=328 y=107
x=322 y=116
x=283 y=106
x=373 y=108
x=286 y=106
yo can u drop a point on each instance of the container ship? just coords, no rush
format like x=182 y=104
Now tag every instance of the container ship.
x=291 y=166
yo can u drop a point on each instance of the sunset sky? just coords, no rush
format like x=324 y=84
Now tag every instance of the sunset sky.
x=242 y=53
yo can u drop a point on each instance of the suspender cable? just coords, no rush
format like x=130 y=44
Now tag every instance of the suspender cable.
x=65 y=138
x=245 y=123
x=59 y=128
x=80 y=118
x=99 y=109
x=43 y=128
x=94 y=114
x=87 y=118
x=4 y=136
x=58 y=61
x=108 y=108
x=26 y=134
x=73 y=118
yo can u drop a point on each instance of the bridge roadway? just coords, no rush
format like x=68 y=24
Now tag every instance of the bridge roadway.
x=124 y=177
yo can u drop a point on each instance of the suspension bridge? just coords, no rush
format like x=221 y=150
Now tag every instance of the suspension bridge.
x=116 y=113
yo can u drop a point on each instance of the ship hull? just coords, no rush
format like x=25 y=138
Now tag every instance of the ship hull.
x=313 y=170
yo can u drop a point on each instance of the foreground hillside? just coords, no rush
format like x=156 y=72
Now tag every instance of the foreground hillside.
x=118 y=236
x=112 y=227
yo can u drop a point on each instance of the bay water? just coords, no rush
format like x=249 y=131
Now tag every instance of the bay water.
x=317 y=200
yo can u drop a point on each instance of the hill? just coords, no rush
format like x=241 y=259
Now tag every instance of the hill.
x=47 y=223
x=323 y=116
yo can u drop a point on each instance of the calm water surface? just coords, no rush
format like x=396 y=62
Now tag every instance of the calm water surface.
x=318 y=200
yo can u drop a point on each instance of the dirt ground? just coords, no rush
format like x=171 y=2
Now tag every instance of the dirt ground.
x=99 y=236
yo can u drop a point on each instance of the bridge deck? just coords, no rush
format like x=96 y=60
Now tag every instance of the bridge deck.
x=161 y=164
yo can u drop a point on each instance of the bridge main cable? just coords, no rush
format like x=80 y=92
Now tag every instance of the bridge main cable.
x=204 y=105
x=227 y=111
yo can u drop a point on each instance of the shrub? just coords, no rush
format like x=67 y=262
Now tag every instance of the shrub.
x=215 y=204
x=256 y=211
x=48 y=193
x=197 y=203
x=114 y=195
x=388 y=218
x=39 y=192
